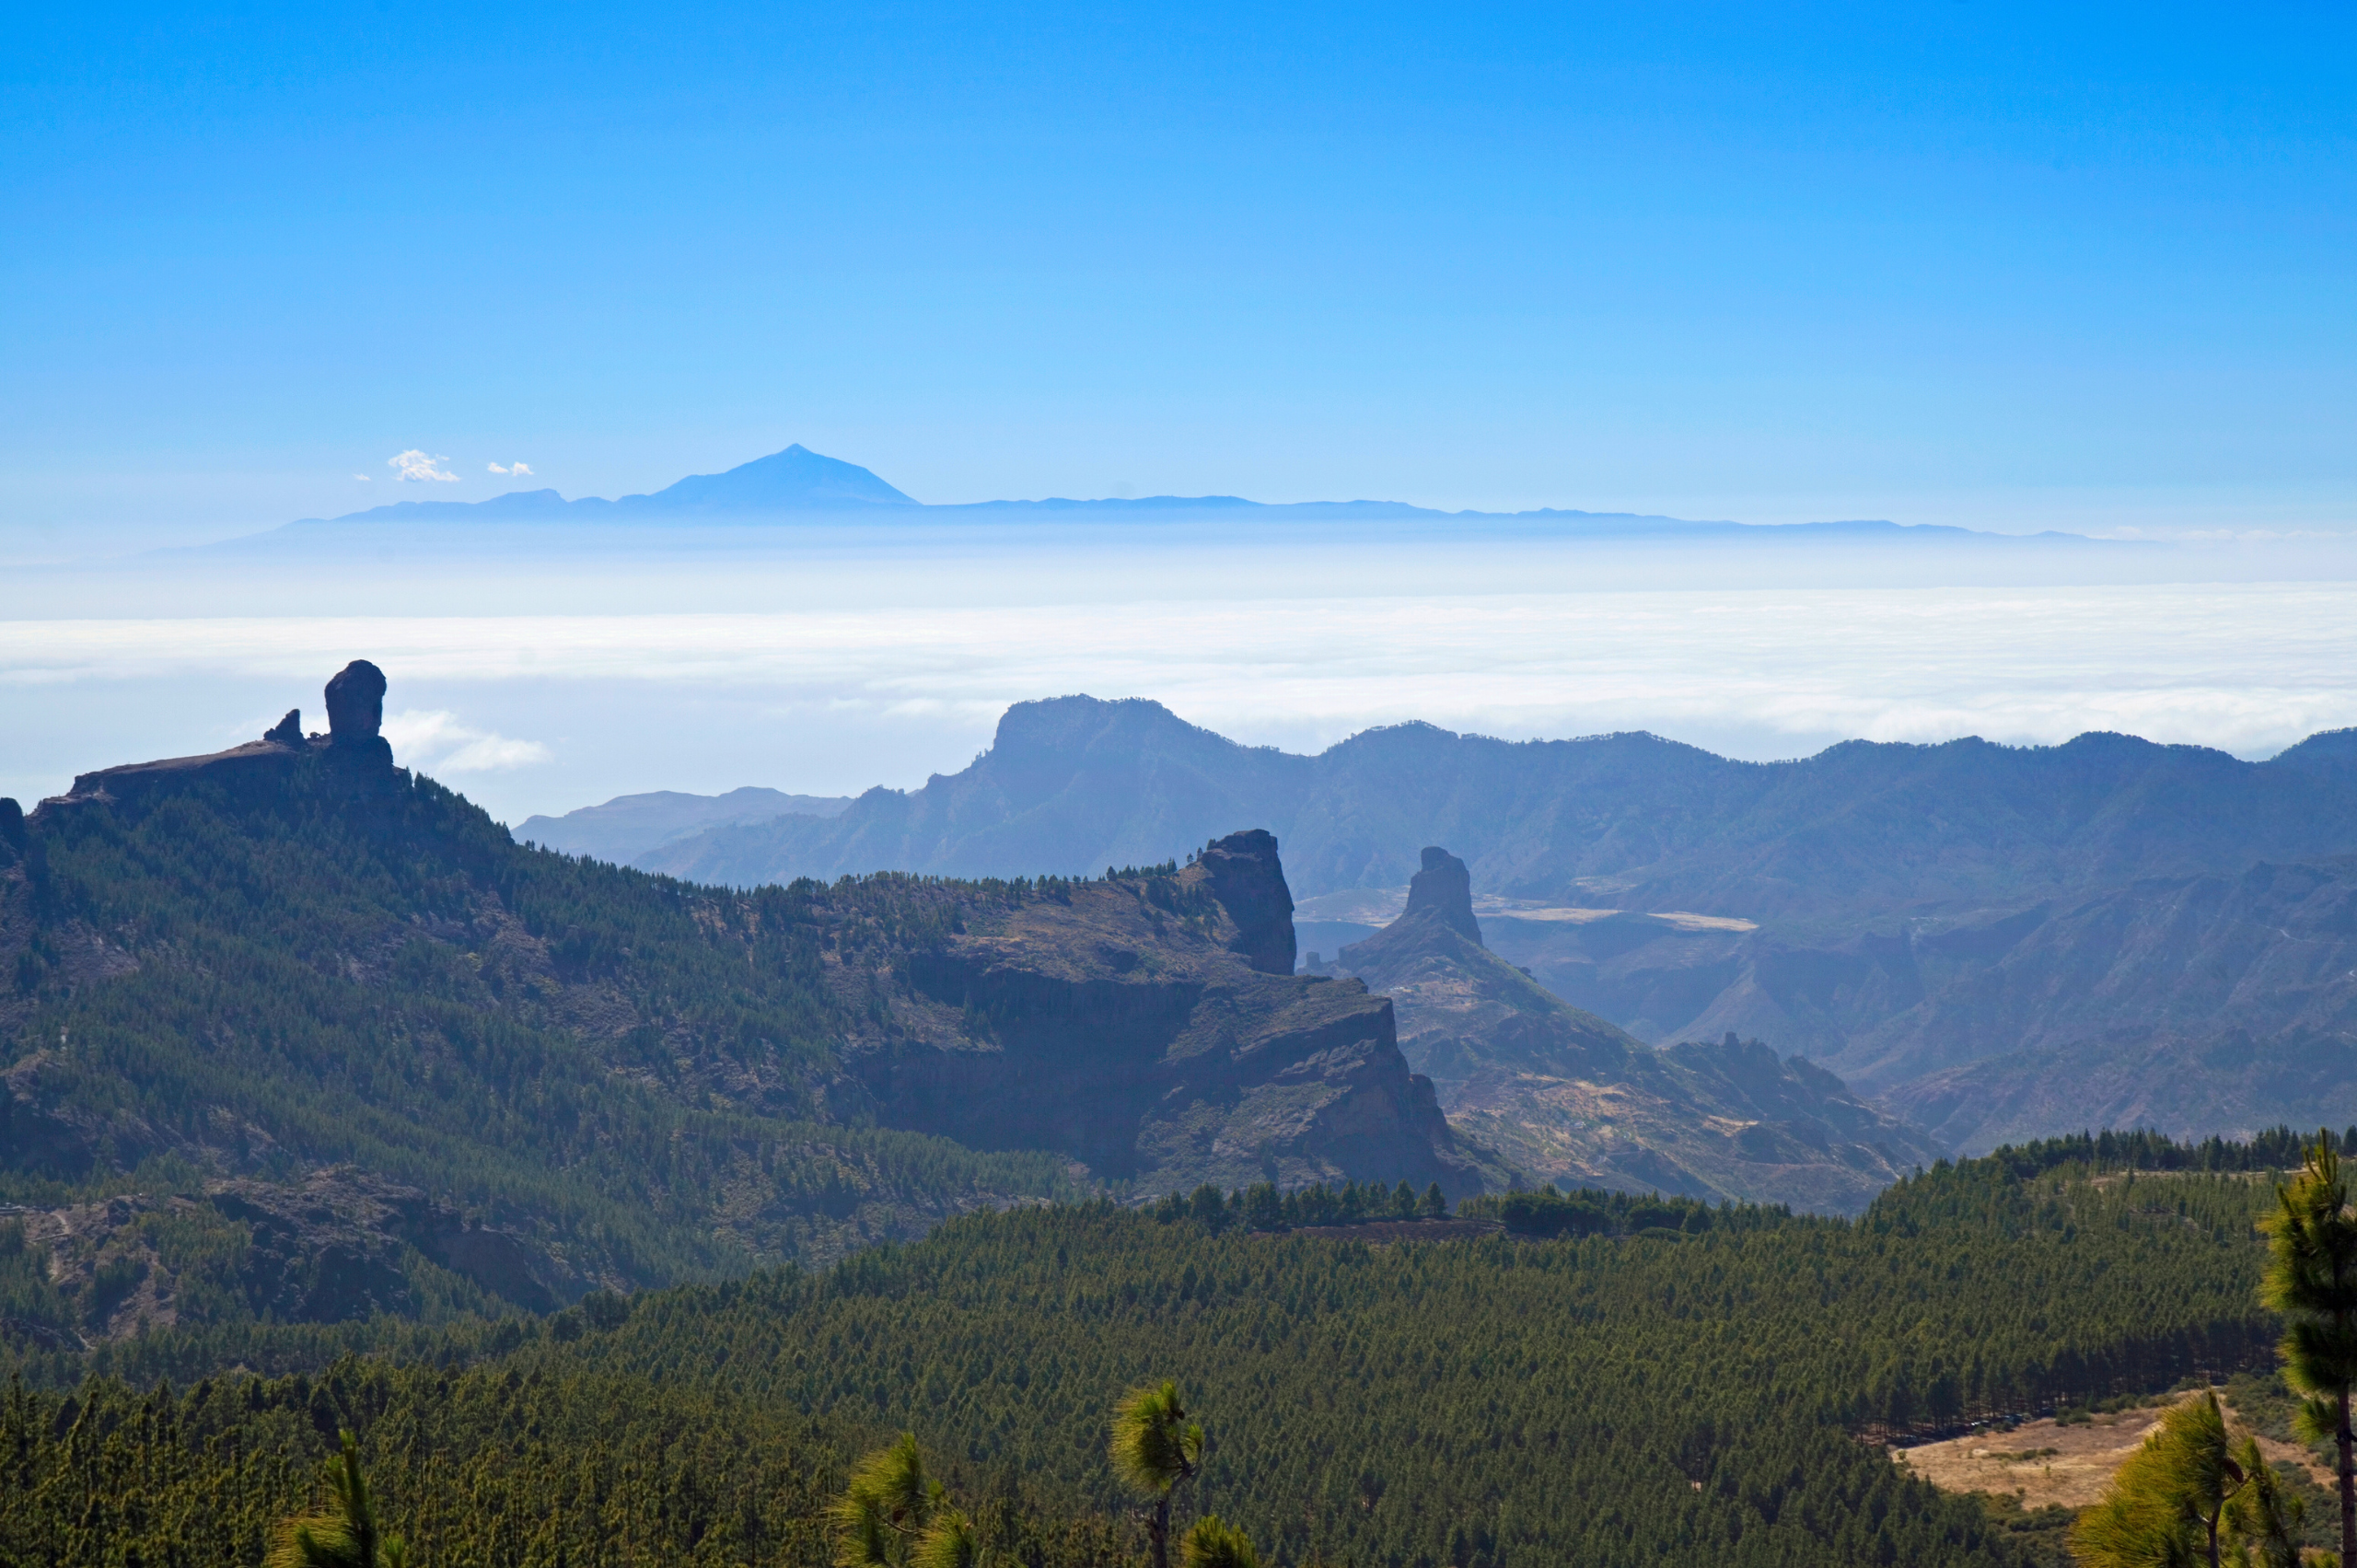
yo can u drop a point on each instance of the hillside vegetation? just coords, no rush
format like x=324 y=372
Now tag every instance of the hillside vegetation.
x=288 y=1034
x=1661 y=1396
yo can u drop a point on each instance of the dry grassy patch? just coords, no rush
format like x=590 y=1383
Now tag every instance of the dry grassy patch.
x=2047 y=1463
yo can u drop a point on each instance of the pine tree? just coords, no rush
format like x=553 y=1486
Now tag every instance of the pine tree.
x=2311 y=1281
x=893 y=1515
x=1155 y=1450
x=1214 y=1543
x=2168 y=1502
x=344 y=1534
x=2264 y=1518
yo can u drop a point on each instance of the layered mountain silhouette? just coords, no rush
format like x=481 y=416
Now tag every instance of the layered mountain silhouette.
x=795 y=481
x=799 y=486
x=1888 y=911
x=628 y=826
x=1859 y=832
x=1570 y=1097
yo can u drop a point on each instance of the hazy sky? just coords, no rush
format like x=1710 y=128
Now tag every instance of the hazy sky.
x=2010 y=267
x=2015 y=266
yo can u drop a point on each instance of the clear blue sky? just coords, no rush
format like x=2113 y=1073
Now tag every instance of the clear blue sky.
x=1951 y=261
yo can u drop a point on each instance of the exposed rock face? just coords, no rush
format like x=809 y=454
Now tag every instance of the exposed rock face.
x=1142 y=1027
x=1567 y=1096
x=356 y=703
x=338 y=1245
x=1443 y=890
x=331 y=1247
x=362 y=758
x=1249 y=883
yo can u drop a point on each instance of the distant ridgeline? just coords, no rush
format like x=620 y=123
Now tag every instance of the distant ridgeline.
x=1996 y=942
x=1686 y=1393
x=2277 y=1149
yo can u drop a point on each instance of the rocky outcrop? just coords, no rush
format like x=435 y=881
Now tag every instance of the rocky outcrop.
x=358 y=757
x=1443 y=891
x=1140 y=1026
x=1568 y=1096
x=332 y=1248
x=338 y=1245
x=355 y=697
x=1244 y=875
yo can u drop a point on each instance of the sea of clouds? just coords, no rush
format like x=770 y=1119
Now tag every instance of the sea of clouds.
x=840 y=688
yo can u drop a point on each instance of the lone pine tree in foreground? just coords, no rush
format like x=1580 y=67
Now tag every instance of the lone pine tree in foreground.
x=2190 y=1492
x=1155 y=1450
x=894 y=1515
x=344 y=1533
x=2311 y=1281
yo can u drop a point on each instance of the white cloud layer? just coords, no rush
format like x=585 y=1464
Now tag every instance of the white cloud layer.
x=2248 y=668
x=520 y=468
x=438 y=743
x=415 y=464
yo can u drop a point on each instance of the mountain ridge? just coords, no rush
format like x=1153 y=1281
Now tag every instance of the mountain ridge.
x=799 y=484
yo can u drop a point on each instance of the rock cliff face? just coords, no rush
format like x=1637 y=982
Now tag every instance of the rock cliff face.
x=1152 y=1028
x=1568 y=1096
x=361 y=759
x=337 y=1245
x=1243 y=874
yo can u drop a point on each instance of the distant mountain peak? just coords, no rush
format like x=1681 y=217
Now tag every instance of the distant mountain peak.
x=797 y=479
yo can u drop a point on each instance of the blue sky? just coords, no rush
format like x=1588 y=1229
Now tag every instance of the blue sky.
x=1957 y=262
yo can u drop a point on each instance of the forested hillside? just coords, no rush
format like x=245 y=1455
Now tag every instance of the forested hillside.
x=1688 y=1395
x=291 y=1033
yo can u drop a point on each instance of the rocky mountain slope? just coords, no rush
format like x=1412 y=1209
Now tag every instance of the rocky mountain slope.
x=2265 y=954
x=223 y=977
x=2184 y=1085
x=1569 y=1097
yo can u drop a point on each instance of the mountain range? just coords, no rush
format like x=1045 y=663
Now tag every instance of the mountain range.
x=1891 y=912
x=797 y=485
x=628 y=826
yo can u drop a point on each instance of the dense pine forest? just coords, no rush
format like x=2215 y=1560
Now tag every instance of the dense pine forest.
x=1715 y=1391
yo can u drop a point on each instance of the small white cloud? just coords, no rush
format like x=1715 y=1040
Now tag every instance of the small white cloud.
x=495 y=468
x=518 y=468
x=415 y=464
x=362 y=478
x=435 y=741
